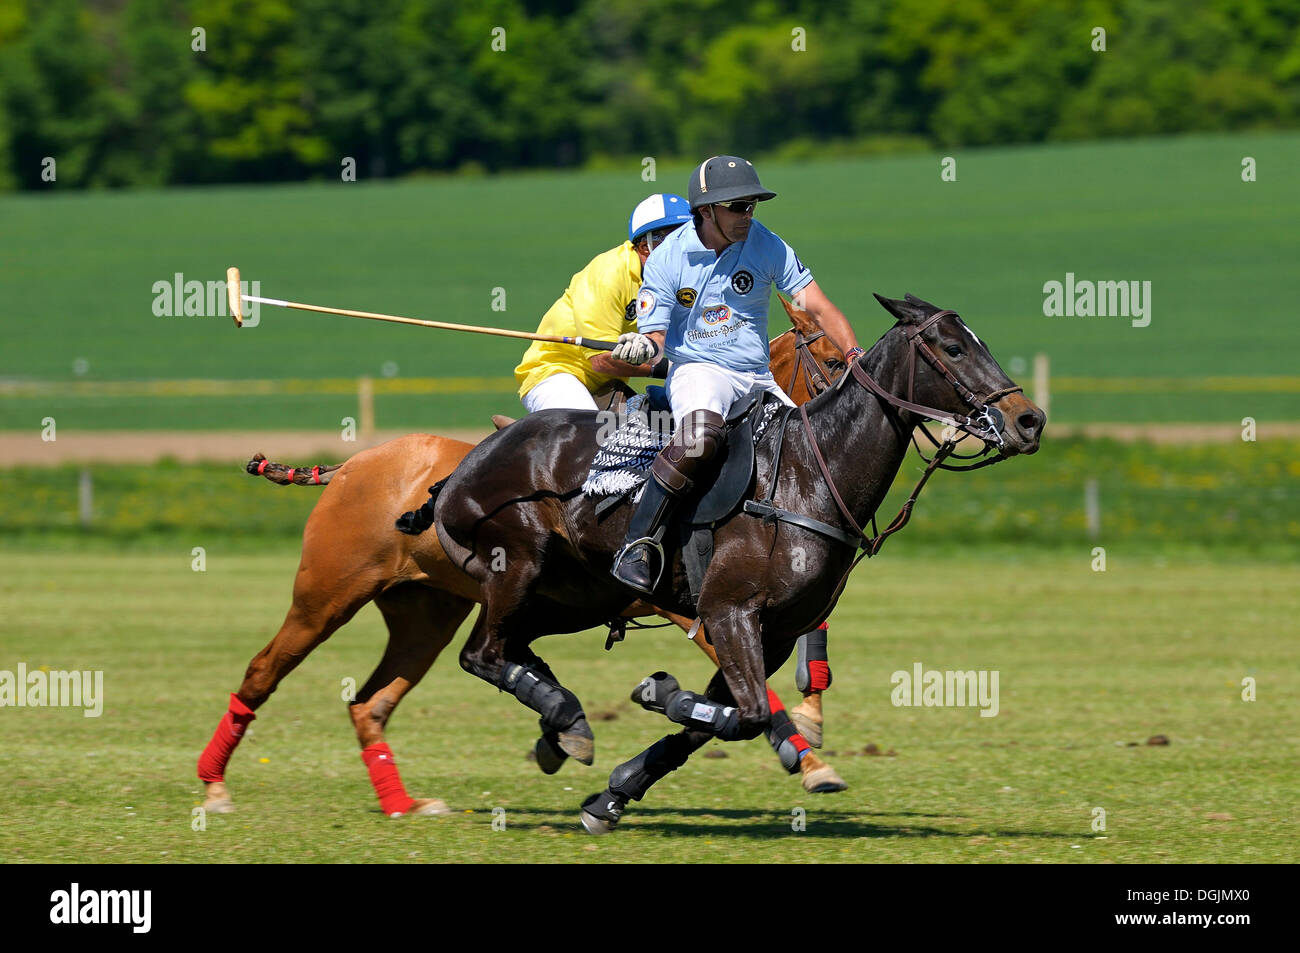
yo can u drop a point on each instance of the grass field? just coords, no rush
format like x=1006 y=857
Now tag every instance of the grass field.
x=1091 y=666
x=1238 y=498
x=1220 y=253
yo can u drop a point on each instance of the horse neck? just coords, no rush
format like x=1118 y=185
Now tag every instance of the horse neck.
x=862 y=443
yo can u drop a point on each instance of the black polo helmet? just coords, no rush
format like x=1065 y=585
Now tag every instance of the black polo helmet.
x=725 y=179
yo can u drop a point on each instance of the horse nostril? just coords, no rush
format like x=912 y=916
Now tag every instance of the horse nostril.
x=1029 y=423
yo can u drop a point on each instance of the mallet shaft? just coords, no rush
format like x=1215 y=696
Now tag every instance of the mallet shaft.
x=398 y=319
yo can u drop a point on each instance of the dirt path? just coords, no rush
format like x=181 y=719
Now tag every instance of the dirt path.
x=306 y=447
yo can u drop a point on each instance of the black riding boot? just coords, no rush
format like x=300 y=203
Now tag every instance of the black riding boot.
x=672 y=476
x=641 y=560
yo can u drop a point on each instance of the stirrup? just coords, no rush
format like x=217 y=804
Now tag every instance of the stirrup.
x=649 y=544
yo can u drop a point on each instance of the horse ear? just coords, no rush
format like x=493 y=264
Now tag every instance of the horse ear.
x=914 y=300
x=799 y=319
x=904 y=311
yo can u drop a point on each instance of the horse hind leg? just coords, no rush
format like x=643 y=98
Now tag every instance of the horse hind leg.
x=421 y=622
x=508 y=664
x=311 y=620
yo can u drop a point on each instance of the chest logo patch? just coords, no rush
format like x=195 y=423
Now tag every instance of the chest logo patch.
x=686 y=297
x=716 y=314
x=742 y=282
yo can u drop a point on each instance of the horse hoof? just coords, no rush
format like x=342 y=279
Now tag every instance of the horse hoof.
x=217 y=799
x=823 y=780
x=550 y=756
x=811 y=730
x=577 y=741
x=600 y=813
x=427 y=807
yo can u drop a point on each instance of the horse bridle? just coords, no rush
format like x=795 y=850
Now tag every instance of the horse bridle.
x=985 y=423
x=817 y=377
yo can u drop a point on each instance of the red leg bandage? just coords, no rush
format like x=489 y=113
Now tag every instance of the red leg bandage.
x=212 y=763
x=386 y=779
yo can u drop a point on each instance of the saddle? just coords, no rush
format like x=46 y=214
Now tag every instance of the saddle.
x=622 y=465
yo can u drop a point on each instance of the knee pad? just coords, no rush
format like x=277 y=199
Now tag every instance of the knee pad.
x=813 y=669
x=699 y=436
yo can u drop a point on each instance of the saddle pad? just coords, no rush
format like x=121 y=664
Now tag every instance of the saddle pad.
x=622 y=462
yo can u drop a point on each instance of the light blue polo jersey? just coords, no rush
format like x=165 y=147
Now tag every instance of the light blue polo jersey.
x=714 y=307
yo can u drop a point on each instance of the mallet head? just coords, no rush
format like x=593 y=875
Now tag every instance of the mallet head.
x=233 y=300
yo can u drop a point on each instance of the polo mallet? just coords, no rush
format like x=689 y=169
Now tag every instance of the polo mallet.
x=235 y=299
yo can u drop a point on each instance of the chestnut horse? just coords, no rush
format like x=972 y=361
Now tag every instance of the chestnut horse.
x=779 y=563
x=352 y=555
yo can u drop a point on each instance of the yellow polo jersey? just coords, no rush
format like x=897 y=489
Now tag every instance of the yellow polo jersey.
x=600 y=303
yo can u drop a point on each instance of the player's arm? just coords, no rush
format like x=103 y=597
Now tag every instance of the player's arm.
x=828 y=317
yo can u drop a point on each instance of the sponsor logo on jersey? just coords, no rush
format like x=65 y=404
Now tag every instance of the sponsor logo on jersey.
x=629 y=312
x=742 y=281
x=716 y=314
x=645 y=303
x=686 y=297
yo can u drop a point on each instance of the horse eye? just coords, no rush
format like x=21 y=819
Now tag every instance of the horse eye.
x=953 y=350
x=832 y=364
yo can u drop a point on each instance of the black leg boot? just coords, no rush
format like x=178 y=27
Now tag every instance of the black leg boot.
x=672 y=476
x=641 y=560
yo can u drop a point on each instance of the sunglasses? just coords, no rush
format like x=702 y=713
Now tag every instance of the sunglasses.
x=737 y=208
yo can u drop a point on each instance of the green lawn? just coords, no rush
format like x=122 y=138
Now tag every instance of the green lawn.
x=80 y=268
x=1091 y=665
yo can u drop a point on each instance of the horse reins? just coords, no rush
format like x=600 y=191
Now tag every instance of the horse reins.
x=985 y=425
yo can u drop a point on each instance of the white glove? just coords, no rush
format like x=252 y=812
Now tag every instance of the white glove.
x=633 y=348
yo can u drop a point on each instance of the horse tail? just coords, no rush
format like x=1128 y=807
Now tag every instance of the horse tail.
x=279 y=473
x=417 y=521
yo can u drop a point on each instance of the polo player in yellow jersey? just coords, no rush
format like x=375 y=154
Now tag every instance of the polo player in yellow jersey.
x=599 y=304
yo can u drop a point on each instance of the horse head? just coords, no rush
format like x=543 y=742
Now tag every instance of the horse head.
x=951 y=370
x=810 y=363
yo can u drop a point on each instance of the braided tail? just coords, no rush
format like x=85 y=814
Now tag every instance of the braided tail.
x=279 y=473
x=417 y=521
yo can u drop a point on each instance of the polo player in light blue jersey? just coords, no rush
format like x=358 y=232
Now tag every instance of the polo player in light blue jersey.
x=703 y=302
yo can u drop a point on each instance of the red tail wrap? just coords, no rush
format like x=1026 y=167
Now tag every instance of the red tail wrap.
x=386 y=778
x=212 y=763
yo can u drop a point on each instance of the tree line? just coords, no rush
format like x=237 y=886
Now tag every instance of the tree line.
x=159 y=92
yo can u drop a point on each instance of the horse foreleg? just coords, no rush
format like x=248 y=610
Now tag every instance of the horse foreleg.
x=631 y=780
x=421 y=622
x=812 y=676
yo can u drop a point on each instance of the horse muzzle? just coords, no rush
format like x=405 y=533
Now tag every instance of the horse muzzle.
x=1021 y=424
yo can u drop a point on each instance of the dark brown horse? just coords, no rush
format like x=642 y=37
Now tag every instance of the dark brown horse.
x=352 y=555
x=821 y=473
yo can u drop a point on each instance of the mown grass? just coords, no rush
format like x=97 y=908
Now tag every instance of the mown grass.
x=1091 y=666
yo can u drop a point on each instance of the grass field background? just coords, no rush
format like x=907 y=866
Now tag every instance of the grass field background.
x=1092 y=665
x=1220 y=253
